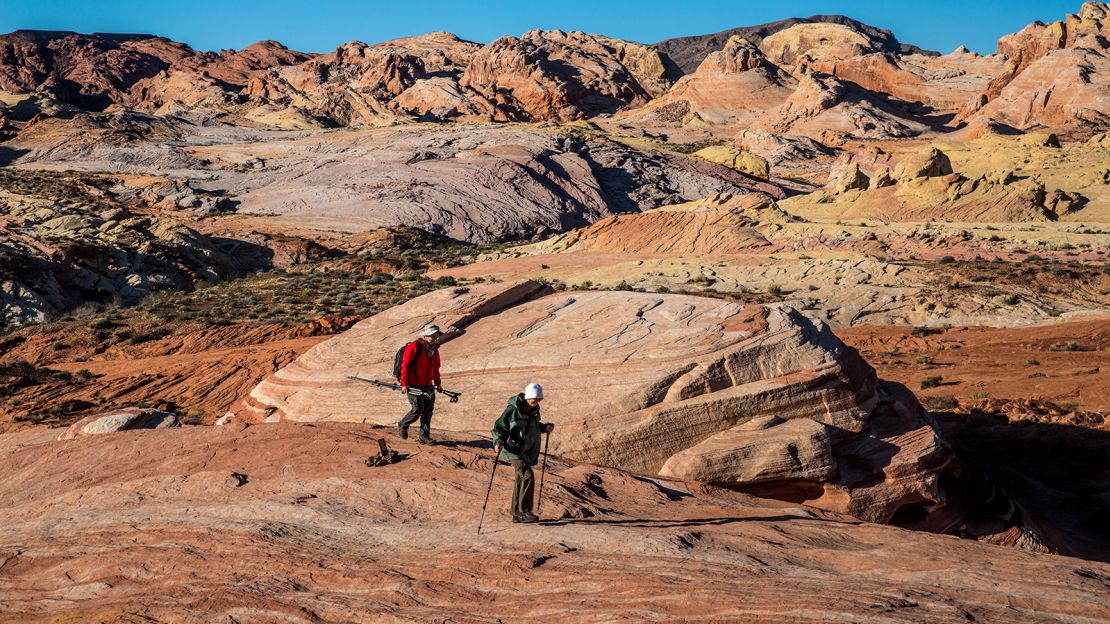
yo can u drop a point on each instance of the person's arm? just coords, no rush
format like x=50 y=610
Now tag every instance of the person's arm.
x=406 y=365
x=501 y=427
x=435 y=370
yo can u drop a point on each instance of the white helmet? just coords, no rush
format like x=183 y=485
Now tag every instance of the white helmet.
x=533 y=391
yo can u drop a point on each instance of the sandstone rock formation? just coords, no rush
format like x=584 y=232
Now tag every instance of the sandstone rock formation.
x=803 y=44
x=565 y=76
x=731 y=85
x=474 y=184
x=1056 y=75
x=994 y=178
x=55 y=257
x=287 y=522
x=827 y=109
x=120 y=420
x=944 y=83
x=688 y=52
x=736 y=159
x=716 y=226
x=668 y=374
x=97 y=71
x=360 y=84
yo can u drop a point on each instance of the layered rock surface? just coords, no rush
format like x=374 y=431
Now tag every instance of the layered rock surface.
x=474 y=184
x=990 y=179
x=287 y=522
x=646 y=382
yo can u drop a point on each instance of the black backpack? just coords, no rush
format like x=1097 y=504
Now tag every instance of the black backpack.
x=399 y=358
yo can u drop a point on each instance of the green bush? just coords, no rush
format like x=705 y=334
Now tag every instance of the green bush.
x=941 y=403
x=931 y=382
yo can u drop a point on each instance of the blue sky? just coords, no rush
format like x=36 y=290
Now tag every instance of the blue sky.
x=321 y=25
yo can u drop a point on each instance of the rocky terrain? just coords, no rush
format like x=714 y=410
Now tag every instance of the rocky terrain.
x=287 y=522
x=801 y=261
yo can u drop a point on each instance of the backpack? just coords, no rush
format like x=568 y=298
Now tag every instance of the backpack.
x=399 y=358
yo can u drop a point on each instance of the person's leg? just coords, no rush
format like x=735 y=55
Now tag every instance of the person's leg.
x=527 y=488
x=514 y=505
x=411 y=417
x=426 y=414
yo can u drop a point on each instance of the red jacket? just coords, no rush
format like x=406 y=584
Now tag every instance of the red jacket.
x=419 y=369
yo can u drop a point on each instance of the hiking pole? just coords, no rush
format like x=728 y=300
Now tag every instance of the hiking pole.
x=543 y=470
x=488 y=490
x=393 y=386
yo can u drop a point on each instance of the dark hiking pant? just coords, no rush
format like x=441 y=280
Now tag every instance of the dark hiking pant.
x=422 y=406
x=524 y=488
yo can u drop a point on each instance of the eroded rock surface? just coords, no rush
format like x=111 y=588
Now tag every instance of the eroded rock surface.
x=642 y=379
x=281 y=521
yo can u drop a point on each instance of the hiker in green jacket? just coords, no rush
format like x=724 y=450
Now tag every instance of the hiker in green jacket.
x=516 y=436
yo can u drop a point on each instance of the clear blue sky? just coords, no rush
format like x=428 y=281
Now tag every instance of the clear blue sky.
x=321 y=25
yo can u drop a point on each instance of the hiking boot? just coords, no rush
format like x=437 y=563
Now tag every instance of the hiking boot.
x=404 y=433
x=526 y=518
x=425 y=440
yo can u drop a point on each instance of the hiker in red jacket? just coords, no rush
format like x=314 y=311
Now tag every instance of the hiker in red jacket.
x=420 y=381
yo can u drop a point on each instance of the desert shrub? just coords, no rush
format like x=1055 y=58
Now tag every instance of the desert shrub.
x=981 y=394
x=623 y=285
x=920 y=332
x=774 y=289
x=446 y=280
x=941 y=403
x=1033 y=362
x=931 y=381
x=924 y=359
x=947 y=259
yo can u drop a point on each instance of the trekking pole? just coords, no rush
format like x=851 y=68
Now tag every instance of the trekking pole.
x=488 y=490
x=543 y=470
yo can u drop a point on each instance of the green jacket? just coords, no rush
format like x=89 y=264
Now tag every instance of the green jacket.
x=524 y=421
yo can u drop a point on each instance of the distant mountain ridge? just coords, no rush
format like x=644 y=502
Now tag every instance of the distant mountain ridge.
x=692 y=88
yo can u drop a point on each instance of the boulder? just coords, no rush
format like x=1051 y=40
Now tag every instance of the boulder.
x=930 y=163
x=848 y=178
x=643 y=381
x=739 y=160
x=120 y=420
x=882 y=178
